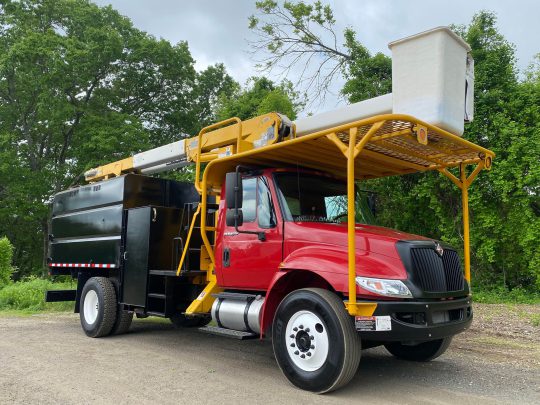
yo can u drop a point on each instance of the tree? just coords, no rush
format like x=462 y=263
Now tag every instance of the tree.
x=504 y=205
x=299 y=40
x=80 y=86
x=6 y=253
x=212 y=83
x=260 y=96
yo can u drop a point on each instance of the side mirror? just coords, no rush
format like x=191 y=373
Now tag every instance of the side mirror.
x=233 y=190
x=233 y=201
x=234 y=219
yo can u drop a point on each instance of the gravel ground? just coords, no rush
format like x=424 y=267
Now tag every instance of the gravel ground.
x=47 y=359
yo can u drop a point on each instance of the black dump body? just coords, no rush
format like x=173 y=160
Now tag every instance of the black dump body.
x=123 y=228
x=87 y=222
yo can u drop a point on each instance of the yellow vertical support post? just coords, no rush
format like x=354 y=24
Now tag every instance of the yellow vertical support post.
x=351 y=211
x=465 y=207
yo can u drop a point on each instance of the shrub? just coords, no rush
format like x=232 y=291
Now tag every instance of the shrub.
x=501 y=295
x=29 y=295
x=6 y=255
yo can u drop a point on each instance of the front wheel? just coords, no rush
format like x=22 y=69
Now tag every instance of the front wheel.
x=315 y=342
x=421 y=352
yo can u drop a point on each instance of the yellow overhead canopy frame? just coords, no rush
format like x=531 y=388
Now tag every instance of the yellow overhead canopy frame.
x=383 y=145
x=379 y=146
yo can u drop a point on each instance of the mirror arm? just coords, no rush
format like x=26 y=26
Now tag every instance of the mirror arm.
x=260 y=235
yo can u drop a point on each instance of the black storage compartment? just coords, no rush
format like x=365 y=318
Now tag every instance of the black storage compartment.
x=87 y=222
x=150 y=234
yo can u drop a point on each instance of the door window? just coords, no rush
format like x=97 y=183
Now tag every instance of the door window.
x=257 y=202
x=265 y=209
x=249 y=201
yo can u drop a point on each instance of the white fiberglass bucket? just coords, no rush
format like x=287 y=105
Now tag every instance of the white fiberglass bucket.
x=433 y=78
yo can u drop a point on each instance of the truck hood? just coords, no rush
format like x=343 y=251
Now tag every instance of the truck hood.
x=370 y=238
x=322 y=248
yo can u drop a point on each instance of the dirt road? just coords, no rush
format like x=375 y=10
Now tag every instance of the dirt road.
x=47 y=359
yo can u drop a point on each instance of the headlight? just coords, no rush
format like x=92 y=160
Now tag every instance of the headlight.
x=382 y=286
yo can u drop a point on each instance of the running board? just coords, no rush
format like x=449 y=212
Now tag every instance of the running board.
x=234 y=334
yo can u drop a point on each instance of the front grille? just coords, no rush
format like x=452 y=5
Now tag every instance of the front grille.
x=452 y=269
x=435 y=273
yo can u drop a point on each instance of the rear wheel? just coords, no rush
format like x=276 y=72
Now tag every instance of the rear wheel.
x=98 y=307
x=422 y=352
x=123 y=321
x=315 y=342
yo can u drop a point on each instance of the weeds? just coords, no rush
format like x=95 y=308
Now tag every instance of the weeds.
x=29 y=295
x=499 y=295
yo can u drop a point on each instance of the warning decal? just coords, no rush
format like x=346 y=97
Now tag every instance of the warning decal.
x=373 y=323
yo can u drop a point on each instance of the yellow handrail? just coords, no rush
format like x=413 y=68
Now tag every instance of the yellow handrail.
x=199 y=145
x=188 y=239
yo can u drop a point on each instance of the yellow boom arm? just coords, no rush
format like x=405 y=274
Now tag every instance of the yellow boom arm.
x=222 y=139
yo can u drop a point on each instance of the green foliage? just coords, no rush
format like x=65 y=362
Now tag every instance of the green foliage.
x=303 y=34
x=79 y=87
x=6 y=256
x=501 y=295
x=504 y=203
x=367 y=76
x=260 y=96
x=29 y=295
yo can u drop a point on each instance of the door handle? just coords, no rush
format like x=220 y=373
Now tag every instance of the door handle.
x=226 y=257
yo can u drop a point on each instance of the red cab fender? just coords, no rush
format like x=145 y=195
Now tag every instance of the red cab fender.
x=284 y=282
x=323 y=267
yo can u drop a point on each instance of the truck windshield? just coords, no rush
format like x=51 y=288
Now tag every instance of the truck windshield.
x=312 y=198
x=308 y=197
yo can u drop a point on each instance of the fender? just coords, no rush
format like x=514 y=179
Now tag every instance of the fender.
x=324 y=266
x=284 y=282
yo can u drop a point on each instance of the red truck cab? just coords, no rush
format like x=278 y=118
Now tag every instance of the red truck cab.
x=297 y=238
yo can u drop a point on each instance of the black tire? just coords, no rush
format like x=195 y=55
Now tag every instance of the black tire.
x=335 y=334
x=105 y=307
x=422 y=352
x=123 y=321
x=181 y=321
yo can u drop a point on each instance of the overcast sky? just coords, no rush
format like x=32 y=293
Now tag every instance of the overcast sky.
x=216 y=31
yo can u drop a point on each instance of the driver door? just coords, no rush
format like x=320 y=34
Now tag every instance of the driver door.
x=248 y=262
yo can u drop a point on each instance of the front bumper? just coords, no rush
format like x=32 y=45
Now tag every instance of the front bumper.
x=418 y=321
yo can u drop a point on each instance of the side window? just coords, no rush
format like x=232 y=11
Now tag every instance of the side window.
x=249 y=204
x=265 y=212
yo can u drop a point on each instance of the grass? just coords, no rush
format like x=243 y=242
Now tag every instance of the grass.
x=505 y=342
x=499 y=295
x=26 y=297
